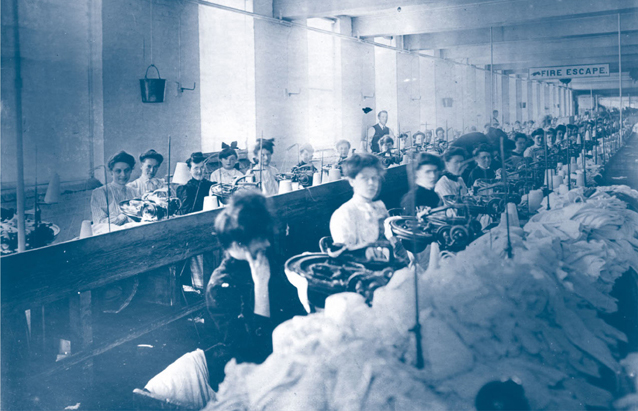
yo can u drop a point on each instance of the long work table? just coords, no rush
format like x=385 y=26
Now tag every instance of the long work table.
x=72 y=270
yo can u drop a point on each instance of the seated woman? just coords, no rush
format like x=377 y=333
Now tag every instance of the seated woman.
x=560 y=134
x=105 y=200
x=150 y=162
x=193 y=192
x=418 y=139
x=343 y=150
x=248 y=295
x=228 y=172
x=305 y=166
x=451 y=183
x=428 y=168
x=483 y=170
x=388 y=155
x=521 y=141
x=537 y=149
x=360 y=221
x=263 y=151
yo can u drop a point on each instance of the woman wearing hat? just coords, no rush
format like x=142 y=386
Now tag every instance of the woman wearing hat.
x=193 y=192
x=150 y=162
x=105 y=200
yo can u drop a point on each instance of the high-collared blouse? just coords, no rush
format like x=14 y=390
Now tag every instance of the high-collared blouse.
x=145 y=185
x=358 y=222
x=450 y=185
x=116 y=194
x=223 y=176
x=270 y=186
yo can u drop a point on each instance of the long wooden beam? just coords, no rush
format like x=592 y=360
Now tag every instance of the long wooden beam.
x=628 y=61
x=48 y=274
x=421 y=19
x=566 y=28
x=514 y=51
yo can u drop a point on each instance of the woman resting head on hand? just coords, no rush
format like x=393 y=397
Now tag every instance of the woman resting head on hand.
x=247 y=295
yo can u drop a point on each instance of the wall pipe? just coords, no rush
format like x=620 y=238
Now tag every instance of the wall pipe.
x=19 y=130
x=620 y=81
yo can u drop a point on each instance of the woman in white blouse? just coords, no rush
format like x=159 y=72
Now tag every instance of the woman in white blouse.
x=451 y=183
x=120 y=166
x=228 y=172
x=360 y=221
x=146 y=183
x=263 y=152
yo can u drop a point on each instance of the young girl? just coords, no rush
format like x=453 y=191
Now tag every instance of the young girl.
x=263 y=151
x=247 y=295
x=228 y=172
x=343 y=150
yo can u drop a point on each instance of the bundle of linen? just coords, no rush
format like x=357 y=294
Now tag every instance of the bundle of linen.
x=532 y=318
x=347 y=357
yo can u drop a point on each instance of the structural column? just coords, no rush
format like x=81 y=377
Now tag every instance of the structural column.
x=505 y=99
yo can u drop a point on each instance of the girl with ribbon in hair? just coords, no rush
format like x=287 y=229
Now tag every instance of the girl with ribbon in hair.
x=229 y=171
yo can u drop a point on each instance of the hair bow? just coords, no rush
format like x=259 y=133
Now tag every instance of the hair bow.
x=232 y=145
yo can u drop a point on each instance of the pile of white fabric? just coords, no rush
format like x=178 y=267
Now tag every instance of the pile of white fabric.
x=532 y=318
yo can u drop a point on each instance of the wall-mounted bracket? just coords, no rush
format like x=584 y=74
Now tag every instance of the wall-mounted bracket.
x=292 y=93
x=181 y=89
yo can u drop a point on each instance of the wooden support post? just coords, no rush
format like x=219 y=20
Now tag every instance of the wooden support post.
x=81 y=319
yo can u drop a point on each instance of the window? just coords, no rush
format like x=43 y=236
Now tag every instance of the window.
x=385 y=80
x=324 y=106
x=227 y=75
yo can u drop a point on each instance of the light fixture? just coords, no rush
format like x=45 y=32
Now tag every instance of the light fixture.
x=182 y=174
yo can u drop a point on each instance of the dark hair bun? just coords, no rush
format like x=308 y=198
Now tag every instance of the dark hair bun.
x=121 y=157
x=246 y=218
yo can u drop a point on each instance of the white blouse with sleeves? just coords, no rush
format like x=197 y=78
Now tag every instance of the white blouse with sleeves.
x=358 y=222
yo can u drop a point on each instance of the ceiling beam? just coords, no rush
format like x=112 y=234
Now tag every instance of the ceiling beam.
x=513 y=51
x=607 y=83
x=628 y=61
x=300 y=9
x=417 y=19
x=566 y=28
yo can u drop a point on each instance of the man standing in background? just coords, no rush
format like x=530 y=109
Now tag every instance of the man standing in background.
x=376 y=132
